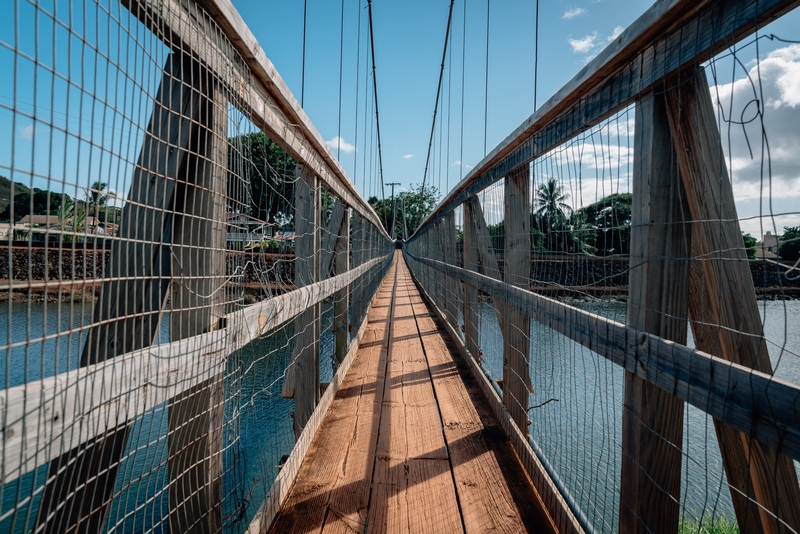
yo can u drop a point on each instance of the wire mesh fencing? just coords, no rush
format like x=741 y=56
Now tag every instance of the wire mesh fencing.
x=639 y=330
x=183 y=271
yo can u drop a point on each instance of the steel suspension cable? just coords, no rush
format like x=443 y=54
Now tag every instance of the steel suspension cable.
x=436 y=105
x=375 y=90
x=341 y=60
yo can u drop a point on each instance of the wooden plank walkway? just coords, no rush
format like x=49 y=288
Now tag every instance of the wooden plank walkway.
x=409 y=443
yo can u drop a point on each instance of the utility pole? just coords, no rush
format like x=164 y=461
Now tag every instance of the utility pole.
x=394 y=209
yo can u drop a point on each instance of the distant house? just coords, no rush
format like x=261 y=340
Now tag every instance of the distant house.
x=246 y=229
x=43 y=223
x=768 y=248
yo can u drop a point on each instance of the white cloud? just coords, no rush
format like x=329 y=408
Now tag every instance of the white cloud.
x=761 y=149
x=344 y=146
x=27 y=132
x=408 y=156
x=583 y=45
x=574 y=12
x=459 y=164
x=616 y=33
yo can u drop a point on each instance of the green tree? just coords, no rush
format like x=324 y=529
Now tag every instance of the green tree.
x=789 y=248
x=551 y=215
x=41 y=202
x=749 y=245
x=605 y=226
x=96 y=198
x=416 y=208
x=260 y=178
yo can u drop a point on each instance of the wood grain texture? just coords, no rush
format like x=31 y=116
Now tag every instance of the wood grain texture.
x=305 y=356
x=494 y=493
x=555 y=504
x=471 y=293
x=130 y=306
x=726 y=390
x=729 y=296
x=516 y=334
x=197 y=305
x=215 y=34
x=652 y=419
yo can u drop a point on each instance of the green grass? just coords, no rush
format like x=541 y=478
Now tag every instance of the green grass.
x=718 y=525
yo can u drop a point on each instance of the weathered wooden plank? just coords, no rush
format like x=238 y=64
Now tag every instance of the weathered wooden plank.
x=197 y=305
x=652 y=419
x=342 y=299
x=453 y=296
x=517 y=267
x=494 y=492
x=341 y=453
x=730 y=298
x=410 y=426
x=471 y=339
x=485 y=251
x=555 y=504
x=671 y=35
x=254 y=85
x=330 y=237
x=162 y=372
x=726 y=390
x=126 y=317
x=305 y=357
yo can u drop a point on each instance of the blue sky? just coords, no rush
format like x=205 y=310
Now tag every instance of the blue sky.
x=408 y=47
x=64 y=136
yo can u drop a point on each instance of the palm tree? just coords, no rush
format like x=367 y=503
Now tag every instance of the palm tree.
x=552 y=214
x=96 y=197
x=550 y=204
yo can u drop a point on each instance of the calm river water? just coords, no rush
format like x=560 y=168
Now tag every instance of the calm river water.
x=579 y=433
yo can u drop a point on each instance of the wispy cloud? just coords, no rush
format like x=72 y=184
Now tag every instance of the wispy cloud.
x=408 y=156
x=27 y=132
x=584 y=45
x=459 y=164
x=574 y=12
x=616 y=33
x=344 y=146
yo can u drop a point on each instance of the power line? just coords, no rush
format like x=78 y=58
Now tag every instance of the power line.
x=375 y=90
x=436 y=105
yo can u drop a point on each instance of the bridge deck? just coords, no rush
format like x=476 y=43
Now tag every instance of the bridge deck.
x=409 y=443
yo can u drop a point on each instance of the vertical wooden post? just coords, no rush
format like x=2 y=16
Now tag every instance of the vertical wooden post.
x=452 y=294
x=652 y=419
x=727 y=301
x=80 y=482
x=357 y=287
x=341 y=300
x=307 y=328
x=516 y=345
x=197 y=306
x=470 y=293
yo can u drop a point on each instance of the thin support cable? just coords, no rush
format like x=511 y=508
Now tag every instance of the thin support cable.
x=303 y=68
x=436 y=105
x=375 y=90
x=486 y=88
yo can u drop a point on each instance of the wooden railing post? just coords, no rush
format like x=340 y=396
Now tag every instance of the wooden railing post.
x=723 y=309
x=471 y=339
x=80 y=482
x=341 y=300
x=516 y=342
x=357 y=288
x=652 y=419
x=452 y=289
x=307 y=327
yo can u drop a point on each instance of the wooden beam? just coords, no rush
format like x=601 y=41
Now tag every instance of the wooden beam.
x=357 y=290
x=254 y=85
x=330 y=238
x=559 y=511
x=305 y=359
x=454 y=297
x=197 y=305
x=729 y=296
x=81 y=481
x=516 y=335
x=341 y=300
x=669 y=36
x=137 y=381
x=652 y=419
x=471 y=321
x=725 y=390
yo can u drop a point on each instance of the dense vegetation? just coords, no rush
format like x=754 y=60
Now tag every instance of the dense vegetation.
x=416 y=208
